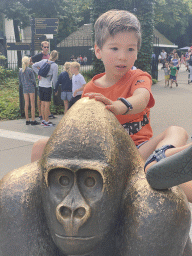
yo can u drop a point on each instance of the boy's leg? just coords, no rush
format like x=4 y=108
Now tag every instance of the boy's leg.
x=66 y=104
x=174 y=135
x=176 y=167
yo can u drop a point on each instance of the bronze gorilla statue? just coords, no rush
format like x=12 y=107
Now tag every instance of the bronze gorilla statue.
x=88 y=195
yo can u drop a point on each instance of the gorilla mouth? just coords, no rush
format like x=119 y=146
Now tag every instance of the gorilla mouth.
x=80 y=238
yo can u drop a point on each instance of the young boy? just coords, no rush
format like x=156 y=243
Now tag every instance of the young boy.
x=78 y=83
x=173 y=74
x=127 y=93
x=167 y=76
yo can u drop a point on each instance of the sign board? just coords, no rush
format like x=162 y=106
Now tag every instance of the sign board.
x=46 y=26
x=19 y=46
x=37 y=41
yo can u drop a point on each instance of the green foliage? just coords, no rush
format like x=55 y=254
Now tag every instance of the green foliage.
x=154 y=81
x=2 y=57
x=6 y=74
x=9 y=100
x=145 y=14
x=173 y=18
x=88 y=75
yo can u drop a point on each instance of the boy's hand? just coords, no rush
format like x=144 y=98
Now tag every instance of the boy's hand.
x=116 y=107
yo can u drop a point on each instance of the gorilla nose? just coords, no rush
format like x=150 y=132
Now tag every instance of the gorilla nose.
x=67 y=212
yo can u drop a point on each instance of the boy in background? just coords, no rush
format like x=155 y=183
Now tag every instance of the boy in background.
x=167 y=76
x=173 y=70
x=78 y=83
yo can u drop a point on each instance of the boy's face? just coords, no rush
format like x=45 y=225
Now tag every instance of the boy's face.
x=74 y=70
x=118 y=53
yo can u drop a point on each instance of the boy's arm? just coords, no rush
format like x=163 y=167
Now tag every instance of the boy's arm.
x=139 y=101
x=79 y=90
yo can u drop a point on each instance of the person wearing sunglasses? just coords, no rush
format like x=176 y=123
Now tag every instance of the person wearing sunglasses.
x=44 y=54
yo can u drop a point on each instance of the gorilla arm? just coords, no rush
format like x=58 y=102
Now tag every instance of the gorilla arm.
x=156 y=222
x=23 y=229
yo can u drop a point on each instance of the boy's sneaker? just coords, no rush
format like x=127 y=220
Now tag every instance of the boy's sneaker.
x=43 y=122
x=52 y=116
x=28 y=122
x=40 y=117
x=48 y=124
x=35 y=123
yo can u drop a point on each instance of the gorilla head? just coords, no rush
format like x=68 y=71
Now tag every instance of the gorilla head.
x=85 y=171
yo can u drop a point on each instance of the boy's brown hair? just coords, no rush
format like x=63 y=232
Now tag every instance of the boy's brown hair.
x=114 y=21
x=75 y=65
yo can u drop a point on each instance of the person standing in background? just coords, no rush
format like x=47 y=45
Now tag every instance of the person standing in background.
x=44 y=54
x=45 y=85
x=65 y=79
x=28 y=82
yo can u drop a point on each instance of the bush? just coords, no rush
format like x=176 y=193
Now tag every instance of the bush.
x=154 y=81
x=6 y=74
x=88 y=75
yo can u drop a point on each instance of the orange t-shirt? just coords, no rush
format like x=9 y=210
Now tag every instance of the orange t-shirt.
x=125 y=88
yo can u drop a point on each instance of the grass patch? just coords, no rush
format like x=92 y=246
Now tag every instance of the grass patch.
x=9 y=99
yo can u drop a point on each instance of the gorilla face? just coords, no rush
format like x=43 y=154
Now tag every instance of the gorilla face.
x=80 y=206
x=85 y=168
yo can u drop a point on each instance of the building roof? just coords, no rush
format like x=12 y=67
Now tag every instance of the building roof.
x=83 y=37
x=163 y=41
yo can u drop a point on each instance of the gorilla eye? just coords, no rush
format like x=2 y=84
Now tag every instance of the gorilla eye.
x=89 y=182
x=64 y=180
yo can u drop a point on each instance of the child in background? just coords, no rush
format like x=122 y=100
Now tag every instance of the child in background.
x=65 y=79
x=28 y=82
x=173 y=70
x=78 y=83
x=167 y=76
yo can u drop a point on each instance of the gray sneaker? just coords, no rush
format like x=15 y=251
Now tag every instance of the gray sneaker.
x=48 y=124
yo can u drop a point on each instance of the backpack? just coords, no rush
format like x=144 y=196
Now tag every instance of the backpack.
x=44 y=69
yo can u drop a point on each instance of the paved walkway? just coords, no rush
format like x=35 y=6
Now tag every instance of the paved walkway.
x=173 y=107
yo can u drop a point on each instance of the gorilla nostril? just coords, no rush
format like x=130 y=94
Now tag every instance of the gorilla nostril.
x=65 y=212
x=79 y=213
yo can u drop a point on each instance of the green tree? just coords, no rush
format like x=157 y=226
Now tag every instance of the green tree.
x=70 y=14
x=173 y=19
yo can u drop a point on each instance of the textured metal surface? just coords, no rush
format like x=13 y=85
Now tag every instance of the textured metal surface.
x=120 y=215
